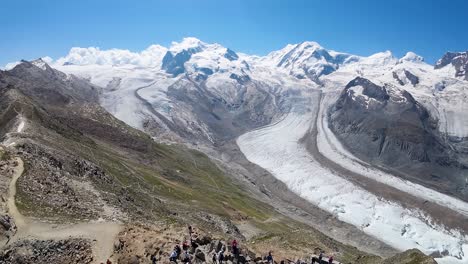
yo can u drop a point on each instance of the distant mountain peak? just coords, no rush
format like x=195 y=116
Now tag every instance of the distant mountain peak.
x=40 y=64
x=309 y=44
x=411 y=57
x=459 y=60
x=187 y=44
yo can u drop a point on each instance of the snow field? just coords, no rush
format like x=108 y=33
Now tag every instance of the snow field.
x=277 y=149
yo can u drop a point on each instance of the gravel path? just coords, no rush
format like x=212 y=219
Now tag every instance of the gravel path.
x=103 y=233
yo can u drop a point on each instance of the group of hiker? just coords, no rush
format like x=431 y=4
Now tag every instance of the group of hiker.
x=320 y=257
x=219 y=256
x=181 y=252
x=177 y=253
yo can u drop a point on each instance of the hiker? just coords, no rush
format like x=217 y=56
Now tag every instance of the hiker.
x=185 y=245
x=220 y=257
x=235 y=250
x=194 y=245
x=223 y=248
x=173 y=257
x=186 y=257
x=178 y=250
x=320 y=257
x=153 y=259
x=330 y=260
x=190 y=231
x=314 y=259
x=108 y=261
x=269 y=258
x=214 y=258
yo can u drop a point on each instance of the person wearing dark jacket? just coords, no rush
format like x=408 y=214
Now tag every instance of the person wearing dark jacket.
x=269 y=258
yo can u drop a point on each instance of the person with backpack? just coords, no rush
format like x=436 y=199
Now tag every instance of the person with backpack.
x=220 y=257
x=213 y=259
x=320 y=257
x=173 y=257
x=330 y=260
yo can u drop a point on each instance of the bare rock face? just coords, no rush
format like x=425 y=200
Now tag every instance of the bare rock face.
x=48 y=85
x=48 y=252
x=387 y=126
x=459 y=60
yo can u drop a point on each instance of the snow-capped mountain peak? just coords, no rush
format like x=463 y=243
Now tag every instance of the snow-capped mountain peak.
x=194 y=56
x=458 y=62
x=187 y=43
x=382 y=58
x=40 y=64
x=307 y=60
x=411 y=57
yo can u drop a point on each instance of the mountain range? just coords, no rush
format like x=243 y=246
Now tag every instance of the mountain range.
x=366 y=156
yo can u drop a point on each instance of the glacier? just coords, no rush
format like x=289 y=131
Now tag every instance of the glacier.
x=277 y=148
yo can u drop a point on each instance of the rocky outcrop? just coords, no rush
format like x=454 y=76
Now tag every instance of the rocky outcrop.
x=407 y=77
x=174 y=64
x=48 y=85
x=387 y=126
x=231 y=55
x=459 y=60
x=48 y=251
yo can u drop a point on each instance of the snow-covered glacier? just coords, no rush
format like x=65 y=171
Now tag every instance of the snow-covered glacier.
x=278 y=149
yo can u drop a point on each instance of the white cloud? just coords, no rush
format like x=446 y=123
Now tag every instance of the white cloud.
x=150 y=57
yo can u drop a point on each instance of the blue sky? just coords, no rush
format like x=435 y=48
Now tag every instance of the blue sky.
x=36 y=28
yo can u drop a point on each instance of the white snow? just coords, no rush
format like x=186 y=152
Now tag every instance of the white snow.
x=186 y=43
x=357 y=91
x=331 y=148
x=277 y=149
x=411 y=56
x=40 y=64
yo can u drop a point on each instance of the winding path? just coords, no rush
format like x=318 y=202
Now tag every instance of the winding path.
x=103 y=233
